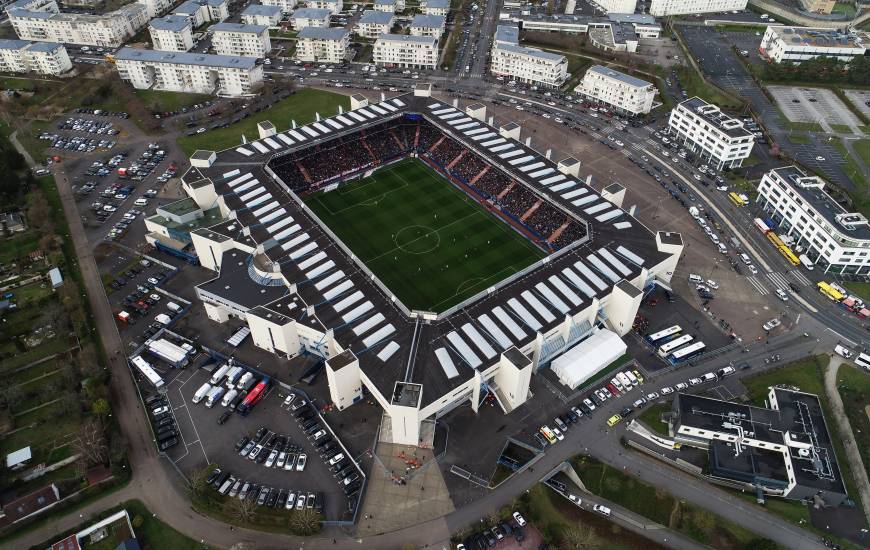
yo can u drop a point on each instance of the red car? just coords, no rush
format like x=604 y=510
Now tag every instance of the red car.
x=612 y=389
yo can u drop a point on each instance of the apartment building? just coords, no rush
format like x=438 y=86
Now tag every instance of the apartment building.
x=391 y=6
x=109 y=30
x=428 y=25
x=173 y=33
x=818 y=6
x=617 y=6
x=530 y=65
x=663 y=8
x=435 y=7
x=374 y=23
x=404 y=51
x=201 y=12
x=189 y=72
x=334 y=6
x=798 y=44
x=287 y=6
x=21 y=56
x=719 y=139
x=240 y=39
x=327 y=45
x=310 y=17
x=834 y=238
x=258 y=14
x=624 y=93
x=156 y=7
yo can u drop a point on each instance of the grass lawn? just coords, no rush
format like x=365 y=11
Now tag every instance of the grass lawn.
x=805 y=126
x=807 y=375
x=694 y=85
x=861 y=289
x=842 y=128
x=862 y=147
x=407 y=224
x=169 y=101
x=854 y=387
x=853 y=171
x=802 y=139
x=300 y=107
x=659 y=506
x=652 y=418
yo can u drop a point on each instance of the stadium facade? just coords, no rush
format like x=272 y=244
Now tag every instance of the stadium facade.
x=302 y=292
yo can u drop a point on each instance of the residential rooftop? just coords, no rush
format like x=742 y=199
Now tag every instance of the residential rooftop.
x=186 y=58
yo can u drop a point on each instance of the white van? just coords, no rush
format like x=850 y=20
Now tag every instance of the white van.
x=746 y=259
x=173 y=307
x=626 y=382
x=631 y=377
x=233 y=375
x=214 y=396
x=695 y=279
x=201 y=392
x=228 y=397
x=219 y=374
x=244 y=380
x=722 y=248
x=163 y=319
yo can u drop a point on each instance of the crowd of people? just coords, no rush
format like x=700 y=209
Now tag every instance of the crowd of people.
x=309 y=169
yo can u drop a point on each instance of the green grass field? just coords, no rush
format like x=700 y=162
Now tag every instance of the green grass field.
x=427 y=241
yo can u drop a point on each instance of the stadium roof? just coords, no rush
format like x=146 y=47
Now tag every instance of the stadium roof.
x=186 y=58
x=447 y=350
x=374 y=17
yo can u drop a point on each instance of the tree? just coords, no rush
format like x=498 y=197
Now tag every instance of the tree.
x=90 y=443
x=305 y=522
x=580 y=537
x=242 y=510
x=39 y=213
x=101 y=408
x=198 y=481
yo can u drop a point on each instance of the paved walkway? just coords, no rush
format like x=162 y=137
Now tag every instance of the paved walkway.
x=845 y=432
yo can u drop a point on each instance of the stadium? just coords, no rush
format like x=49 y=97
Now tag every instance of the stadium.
x=429 y=258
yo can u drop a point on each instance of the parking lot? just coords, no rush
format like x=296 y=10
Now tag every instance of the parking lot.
x=860 y=99
x=813 y=105
x=203 y=441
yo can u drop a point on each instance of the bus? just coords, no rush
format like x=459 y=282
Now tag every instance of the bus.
x=667 y=348
x=688 y=352
x=737 y=199
x=254 y=397
x=863 y=361
x=663 y=336
x=830 y=291
x=774 y=238
x=763 y=227
x=789 y=255
x=147 y=371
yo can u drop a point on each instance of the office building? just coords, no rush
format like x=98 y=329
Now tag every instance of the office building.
x=173 y=33
x=624 y=93
x=258 y=14
x=189 y=72
x=310 y=17
x=663 y=8
x=21 y=56
x=833 y=238
x=240 y=40
x=530 y=65
x=374 y=23
x=783 y=449
x=407 y=52
x=720 y=140
x=798 y=44
x=322 y=45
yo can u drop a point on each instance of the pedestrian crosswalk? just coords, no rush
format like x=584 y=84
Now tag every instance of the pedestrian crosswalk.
x=777 y=280
x=625 y=152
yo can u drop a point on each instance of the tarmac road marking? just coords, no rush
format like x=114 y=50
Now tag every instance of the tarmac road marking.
x=800 y=278
x=757 y=285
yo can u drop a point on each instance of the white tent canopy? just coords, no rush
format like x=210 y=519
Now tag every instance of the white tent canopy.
x=586 y=359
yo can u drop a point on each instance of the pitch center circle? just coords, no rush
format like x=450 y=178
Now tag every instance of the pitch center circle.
x=417 y=239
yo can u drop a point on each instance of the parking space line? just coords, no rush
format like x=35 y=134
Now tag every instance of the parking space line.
x=192 y=422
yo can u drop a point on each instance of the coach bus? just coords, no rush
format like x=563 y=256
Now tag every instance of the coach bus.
x=145 y=369
x=663 y=336
x=737 y=199
x=687 y=352
x=830 y=292
x=669 y=347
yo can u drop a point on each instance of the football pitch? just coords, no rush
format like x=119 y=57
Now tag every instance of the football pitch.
x=427 y=241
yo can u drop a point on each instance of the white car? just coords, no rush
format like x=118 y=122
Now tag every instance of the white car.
x=155 y=297
x=153 y=281
x=652 y=396
x=300 y=462
x=712 y=284
x=558 y=434
x=681 y=386
x=772 y=324
x=160 y=410
x=300 y=502
x=521 y=521
x=695 y=381
x=291 y=501
x=575 y=499
x=589 y=404
x=753 y=269
x=336 y=459
x=282 y=460
x=603 y=510
x=271 y=460
x=781 y=294
x=289 y=399
x=667 y=390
